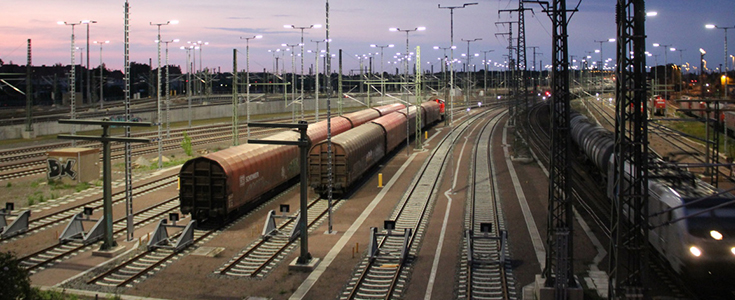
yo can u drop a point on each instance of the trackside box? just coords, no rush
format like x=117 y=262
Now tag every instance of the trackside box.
x=73 y=165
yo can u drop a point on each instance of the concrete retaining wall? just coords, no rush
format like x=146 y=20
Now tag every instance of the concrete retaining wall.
x=199 y=112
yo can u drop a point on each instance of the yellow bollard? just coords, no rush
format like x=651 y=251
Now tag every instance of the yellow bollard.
x=426 y=135
x=178 y=183
x=380 y=180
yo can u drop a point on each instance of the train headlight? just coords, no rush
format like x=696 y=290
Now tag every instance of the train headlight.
x=732 y=250
x=716 y=235
x=695 y=251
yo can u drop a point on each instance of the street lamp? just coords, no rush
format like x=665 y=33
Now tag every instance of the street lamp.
x=316 y=79
x=198 y=45
x=467 y=70
x=302 y=59
x=712 y=26
x=407 y=31
x=293 y=82
x=701 y=71
x=445 y=60
x=188 y=49
x=484 y=63
x=247 y=78
x=725 y=28
x=382 y=82
x=451 y=65
x=168 y=91
x=600 y=66
x=72 y=84
x=158 y=92
x=666 y=66
x=89 y=74
x=275 y=70
x=102 y=99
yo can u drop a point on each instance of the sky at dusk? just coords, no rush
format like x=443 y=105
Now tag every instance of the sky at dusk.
x=354 y=25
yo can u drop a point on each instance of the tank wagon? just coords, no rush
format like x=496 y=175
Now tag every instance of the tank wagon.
x=360 y=148
x=217 y=184
x=692 y=224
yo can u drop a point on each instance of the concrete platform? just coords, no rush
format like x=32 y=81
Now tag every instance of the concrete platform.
x=115 y=251
x=295 y=266
x=547 y=293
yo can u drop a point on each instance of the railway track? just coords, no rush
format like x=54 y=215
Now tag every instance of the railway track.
x=27 y=161
x=41 y=259
x=385 y=275
x=592 y=204
x=38 y=224
x=135 y=269
x=260 y=257
x=671 y=137
x=484 y=271
x=145 y=264
x=206 y=136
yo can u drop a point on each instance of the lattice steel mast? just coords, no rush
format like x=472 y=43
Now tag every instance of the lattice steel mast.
x=128 y=147
x=559 y=269
x=630 y=209
x=511 y=67
x=521 y=61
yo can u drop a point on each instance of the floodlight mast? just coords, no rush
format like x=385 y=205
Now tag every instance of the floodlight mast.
x=451 y=62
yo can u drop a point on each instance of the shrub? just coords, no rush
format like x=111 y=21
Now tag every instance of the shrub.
x=15 y=283
x=81 y=186
x=186 y=144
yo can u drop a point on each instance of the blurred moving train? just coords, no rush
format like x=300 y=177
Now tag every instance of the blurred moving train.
x=360 y=148
x=691 y=224
x=217 y=184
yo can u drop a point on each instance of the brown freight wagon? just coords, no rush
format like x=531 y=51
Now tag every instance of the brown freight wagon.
x=215 y=185
x=356 y=151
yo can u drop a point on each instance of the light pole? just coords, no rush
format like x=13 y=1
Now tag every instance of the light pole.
x=681 y=68
x=382 y=81
x=701 y=86
x=275 y=67
x=293 y=82
x=451 y=63
x=158 y=92
x=188 y=78
x=168 y=92
x=485 y=63
x=725 y=28
x=467 y=70
x=72 y=83
x=198 y=45
x=701 y=71
x=102 y=99
x=89 y=73
x=316 y=80
x=247 y=78
x=602 y=64
x=302 y=59
x=666 y=66
x=405 y=80
x=445 y=60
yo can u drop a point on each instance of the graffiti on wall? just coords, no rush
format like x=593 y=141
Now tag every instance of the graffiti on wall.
x=58 y=168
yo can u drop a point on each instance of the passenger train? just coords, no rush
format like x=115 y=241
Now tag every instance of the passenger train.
x=691 y=224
